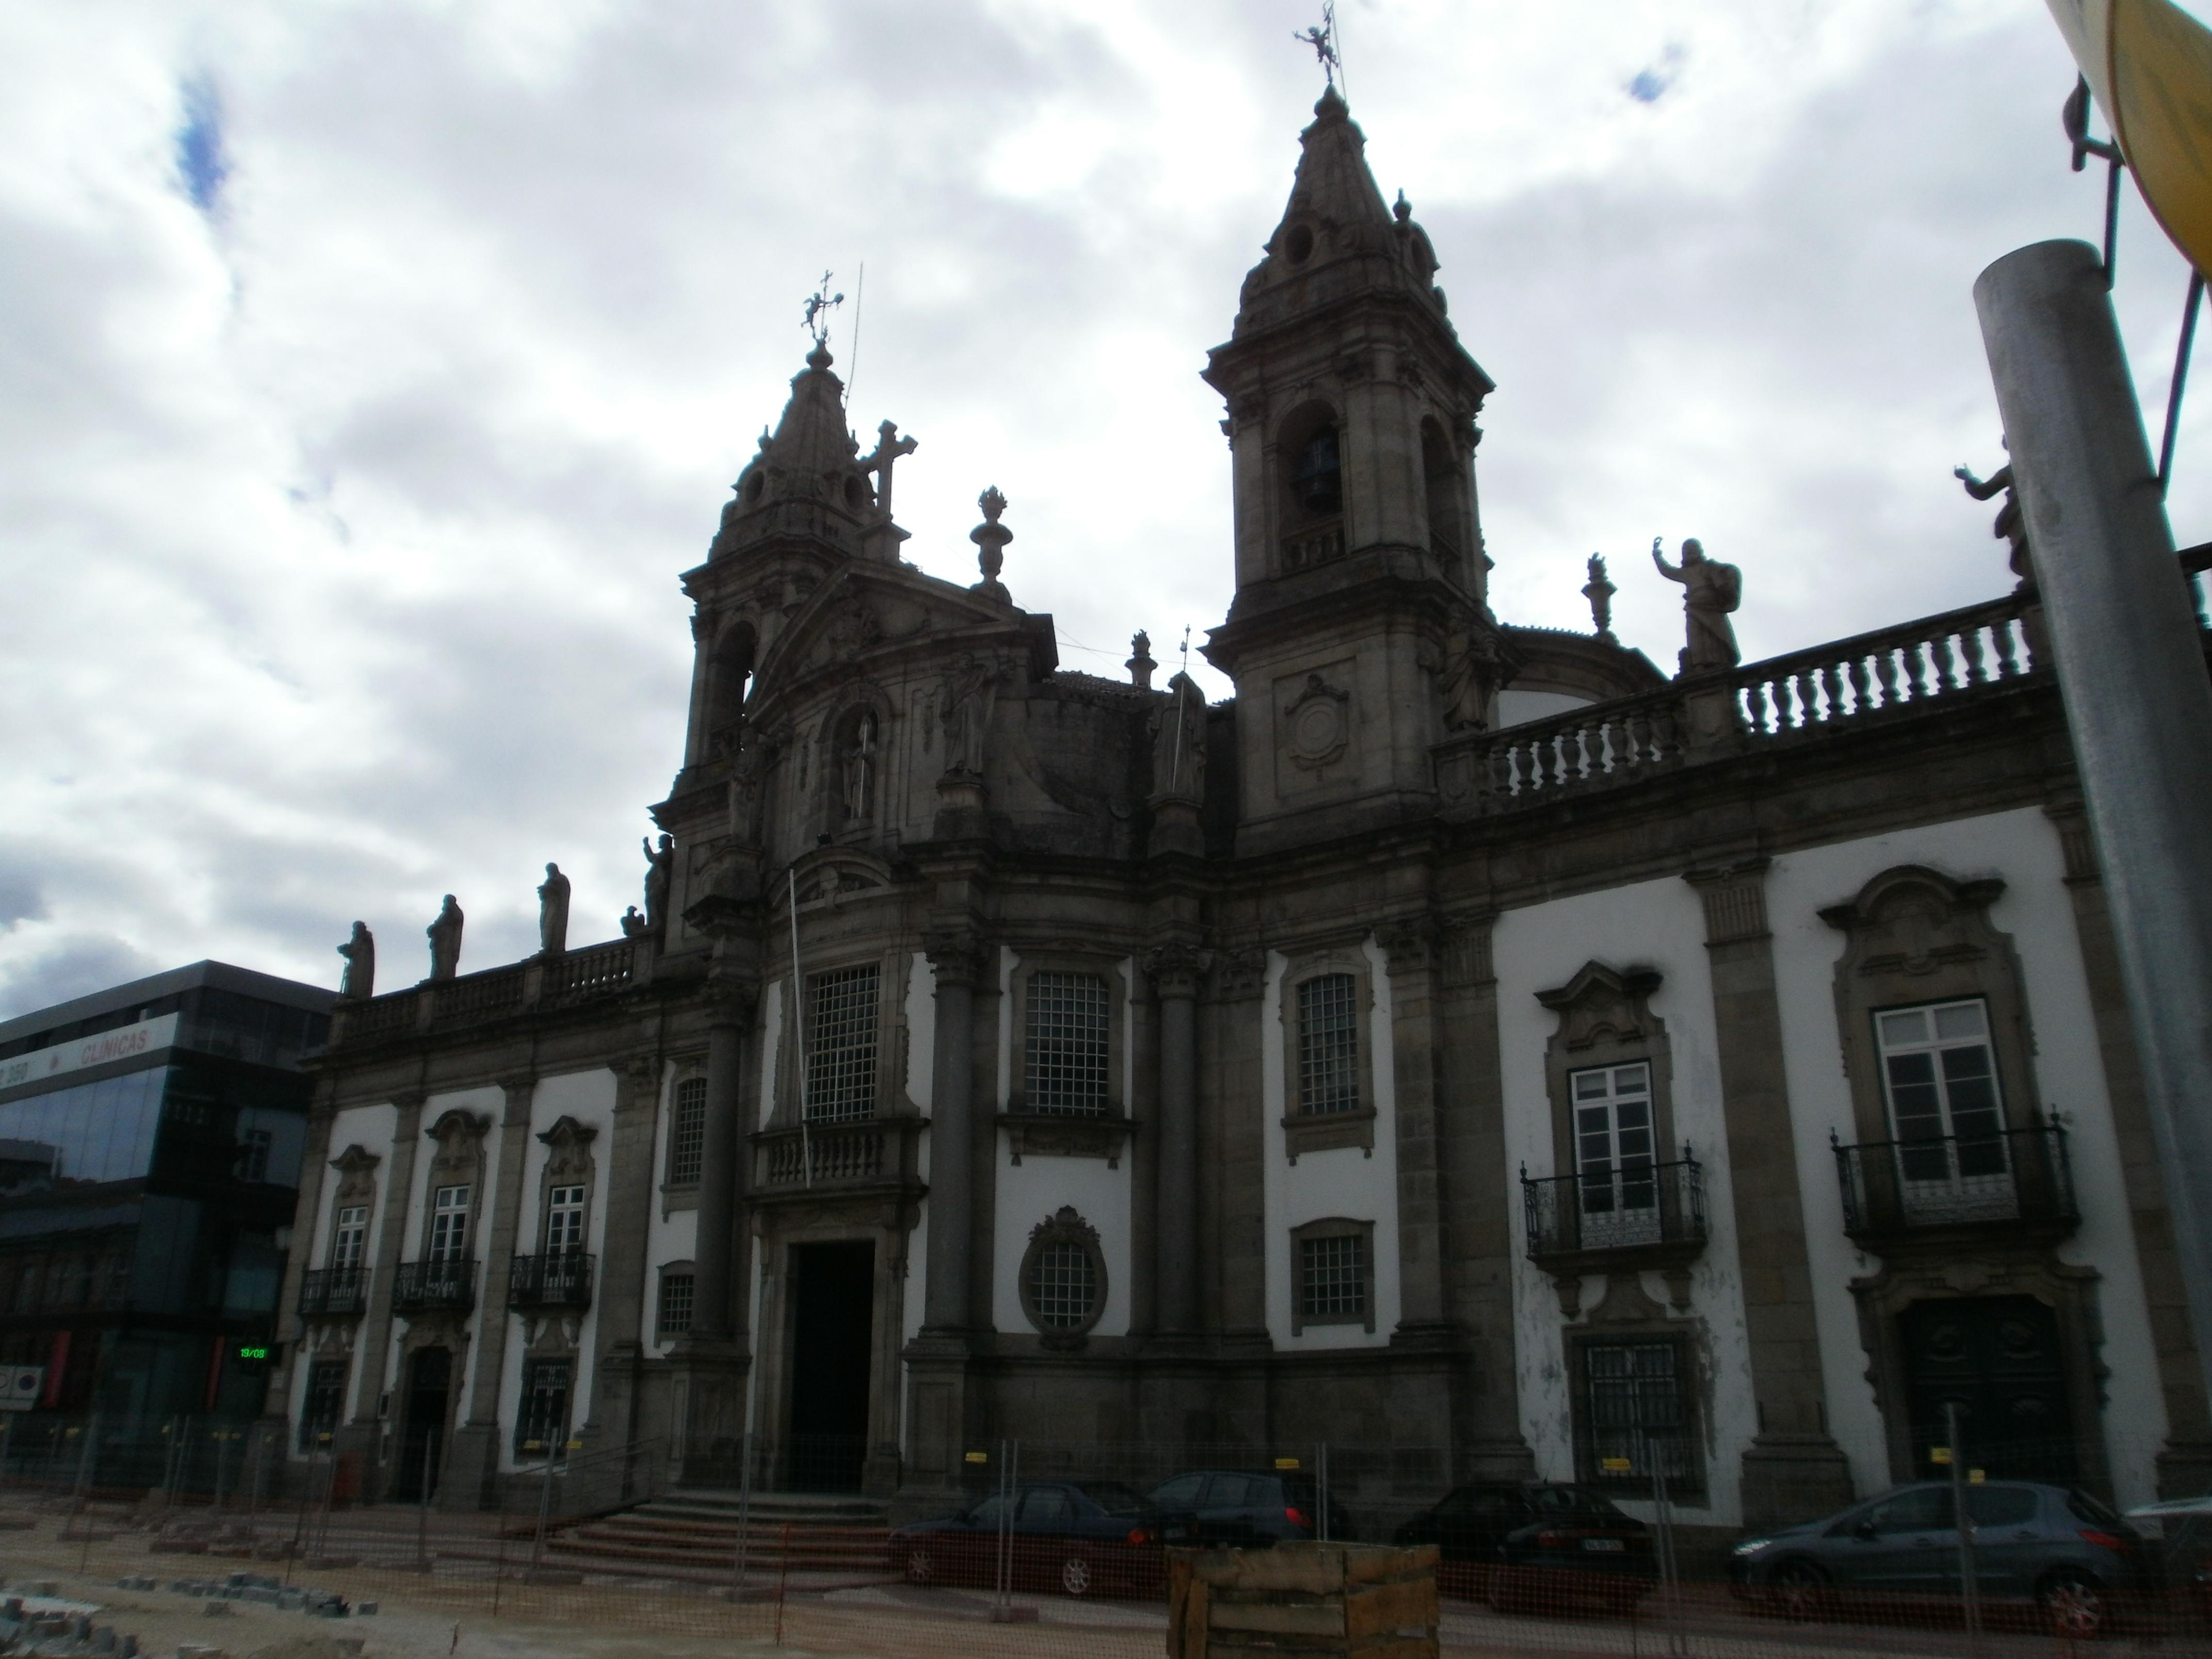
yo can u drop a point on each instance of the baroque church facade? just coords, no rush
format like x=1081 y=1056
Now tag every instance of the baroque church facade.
x=1466 y=1046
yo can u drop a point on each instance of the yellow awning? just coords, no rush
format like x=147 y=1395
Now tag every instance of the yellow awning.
x=2149 y=65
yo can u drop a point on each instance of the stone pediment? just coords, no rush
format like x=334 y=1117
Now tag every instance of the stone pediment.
x=833 y=876
x=867 y=612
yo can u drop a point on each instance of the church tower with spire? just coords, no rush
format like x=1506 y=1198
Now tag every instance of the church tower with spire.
x=1360 y=634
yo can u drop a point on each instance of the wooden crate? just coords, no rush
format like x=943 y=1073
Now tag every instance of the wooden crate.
x=1303 y=1601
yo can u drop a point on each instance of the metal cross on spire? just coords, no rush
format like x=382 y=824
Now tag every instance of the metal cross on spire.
x=1323 y=39
x=819 y=305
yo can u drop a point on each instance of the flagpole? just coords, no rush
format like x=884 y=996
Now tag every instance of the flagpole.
x=799 y=1029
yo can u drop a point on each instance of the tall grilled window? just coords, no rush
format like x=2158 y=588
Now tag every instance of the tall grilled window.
x=1063 y=1284
x=676 y=1297
x=840 y=1045
x=449 y=1223
x=1333 y=1277
x=1637 y=1413
x=564 y=1220
x=1328 y=1043
x=542 y=1427
x=1065 y=1047
x=687 y=1132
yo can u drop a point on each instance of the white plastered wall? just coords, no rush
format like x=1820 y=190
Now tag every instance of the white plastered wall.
x=668 y=1237
x=370 y=1128
x=1345 y=1182
x=1658 y=924
x=589 y=1097
x=2022 y=849
x=1030 y=1192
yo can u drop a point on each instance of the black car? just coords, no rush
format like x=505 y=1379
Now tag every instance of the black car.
x=1499 y=1540
x=1236 y=1509
x=2054 y=1546
x=1078 y=1537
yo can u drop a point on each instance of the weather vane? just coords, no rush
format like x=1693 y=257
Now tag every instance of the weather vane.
x=1322 y=40
x=819 y=305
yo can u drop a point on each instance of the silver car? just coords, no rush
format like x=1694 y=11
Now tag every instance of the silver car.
x=2053 y=1544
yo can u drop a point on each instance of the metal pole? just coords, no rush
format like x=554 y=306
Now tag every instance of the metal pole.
x=544 y=1506
x=2188 y=311
x=422 y=1512
x=1320 y=1489
x=1969 y=1587
x=2131 y=665
x=744 y=1507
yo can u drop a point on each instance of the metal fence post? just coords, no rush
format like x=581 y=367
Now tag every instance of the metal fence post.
x=1969 y=1587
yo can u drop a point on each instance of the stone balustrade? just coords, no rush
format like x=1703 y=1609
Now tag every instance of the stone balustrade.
x=440 y=1005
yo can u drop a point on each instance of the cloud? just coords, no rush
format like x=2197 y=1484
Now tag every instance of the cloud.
x=201 y=161
x=1650 y=84
x=69 y=965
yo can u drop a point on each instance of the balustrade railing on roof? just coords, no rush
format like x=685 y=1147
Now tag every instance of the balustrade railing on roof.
x=1603 y=745
x=479 y=996
x=588 y=973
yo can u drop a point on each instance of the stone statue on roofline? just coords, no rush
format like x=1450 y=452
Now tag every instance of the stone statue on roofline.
x=1179 y=743
x=659 y=877
x=2011 y=525
x=359 y=981
x=445 y=933
x=553 y=913
x=1711 y=590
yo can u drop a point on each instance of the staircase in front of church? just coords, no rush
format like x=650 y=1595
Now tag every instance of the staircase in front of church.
x=821 y=1542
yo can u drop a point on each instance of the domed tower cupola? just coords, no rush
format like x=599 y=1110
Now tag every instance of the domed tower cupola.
x=1361 y=577
x=809 y=478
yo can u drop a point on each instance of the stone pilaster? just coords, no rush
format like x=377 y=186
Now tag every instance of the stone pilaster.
x=713 y=1363
x=363 y=1433
x=623 y=1313
x=474 y=1463
x=1239 y=1243
x=1410 y=948
x=2184 y=1464
x=960 y=961
x=1175 y=971
x=1480 y=1234
x=1793 y=1469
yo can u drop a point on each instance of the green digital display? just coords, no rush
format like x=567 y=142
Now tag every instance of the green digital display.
x=248 y=1352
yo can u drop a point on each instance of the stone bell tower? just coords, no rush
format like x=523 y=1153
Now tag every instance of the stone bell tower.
x=1360 y=634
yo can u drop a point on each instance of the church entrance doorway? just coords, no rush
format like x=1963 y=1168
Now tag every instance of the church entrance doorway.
x=833 y=1318
x=422 y=1440
x=1998 y=1358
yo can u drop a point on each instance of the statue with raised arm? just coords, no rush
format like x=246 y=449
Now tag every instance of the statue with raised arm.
x=659 y=878
x=358 y=980
x=2011 y=526
x=445 y=931
x=553 y=913
x=1711 y=590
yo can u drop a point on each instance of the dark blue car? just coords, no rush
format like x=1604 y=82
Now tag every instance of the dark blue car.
x=1075 y=1537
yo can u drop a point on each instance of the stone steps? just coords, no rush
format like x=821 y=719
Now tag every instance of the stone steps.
x=696 y=1534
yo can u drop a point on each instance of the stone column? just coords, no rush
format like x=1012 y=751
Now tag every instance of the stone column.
x=474 y=1463
x=2184 y=1464
x=1410 y=949
x=960 y=960
x=364 y=1430
x=721 y=1151
x=622 y=1314
x=1482 y=1230
x=1793 y=1469
x=1176 y=969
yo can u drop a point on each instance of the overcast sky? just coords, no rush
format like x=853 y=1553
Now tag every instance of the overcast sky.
x=368 y=373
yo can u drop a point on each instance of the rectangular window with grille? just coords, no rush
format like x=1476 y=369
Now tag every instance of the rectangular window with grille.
x=542 y=1428
x=564 y=1220
x=840 y=1045
x=687 y=1132
x=1328 y=1043
x=1637 y=1415
x=449 y=1223
x=1065 y=1046
x=1333 y=1277
x=675 y=1302
x=346 y=1238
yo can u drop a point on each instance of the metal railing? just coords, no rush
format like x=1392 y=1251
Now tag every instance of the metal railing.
x=2013 y=1175
x=419 y=1286
x=1632 y=1208
x=563 y=1280
x=334 y=1290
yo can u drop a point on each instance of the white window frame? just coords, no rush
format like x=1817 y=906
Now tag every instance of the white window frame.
x=449 y=1221
x=566 y=1218
x=1956 y=1159
x=1616 y=1162
x=349 y=1237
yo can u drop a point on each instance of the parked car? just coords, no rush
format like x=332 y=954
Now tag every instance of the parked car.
x=1076 y=1537
x=1493 y=1538
x=1236 y=1509
x=2055 y=1545
x=2180 y=1532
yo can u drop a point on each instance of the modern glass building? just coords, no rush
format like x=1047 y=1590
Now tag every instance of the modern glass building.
x=150 y=1139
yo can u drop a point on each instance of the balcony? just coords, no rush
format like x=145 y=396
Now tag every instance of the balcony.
x=549 y=1283
x=333 y=1292
x=875 y=1155
x=1647 y=1216
x=434 y=1287
x=2012 y=1181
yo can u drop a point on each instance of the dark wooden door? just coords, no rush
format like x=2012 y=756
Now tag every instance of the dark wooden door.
x=832 y=1323
x=429 y=1374
x=1998 y=1358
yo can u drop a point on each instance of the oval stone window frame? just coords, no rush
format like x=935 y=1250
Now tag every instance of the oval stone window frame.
x=1065 y=1226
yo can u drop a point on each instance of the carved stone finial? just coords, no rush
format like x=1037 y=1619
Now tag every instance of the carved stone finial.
x=990 y=537
x=1140 y=664
x=1402 y=209
x=1599 y=591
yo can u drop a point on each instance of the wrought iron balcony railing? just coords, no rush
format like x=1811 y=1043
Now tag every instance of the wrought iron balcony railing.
x=2011 y=1177
x=334 y=1291
x=1653 y=1209
x=559 y=1280
x=427 y=1287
